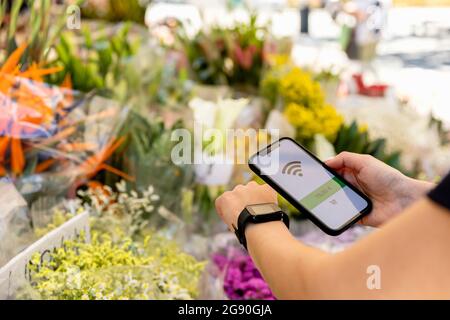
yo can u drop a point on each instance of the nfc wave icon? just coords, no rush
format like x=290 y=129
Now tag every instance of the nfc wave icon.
x=293 y=168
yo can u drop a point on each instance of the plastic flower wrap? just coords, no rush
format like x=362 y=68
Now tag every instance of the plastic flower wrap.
x=44 y=222
x=15 y=228
x=314 y=237
x=108 y=269
x=52 y=136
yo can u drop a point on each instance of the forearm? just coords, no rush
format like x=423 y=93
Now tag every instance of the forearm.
x=284 y=262
x=410 y=252
x=405 y=250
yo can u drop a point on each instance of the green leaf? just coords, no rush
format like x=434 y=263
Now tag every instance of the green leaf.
x=14 y=15
x=2 y=10
x=31 y=166
x=88 y=42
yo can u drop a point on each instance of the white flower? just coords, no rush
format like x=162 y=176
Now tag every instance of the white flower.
x=121 y=186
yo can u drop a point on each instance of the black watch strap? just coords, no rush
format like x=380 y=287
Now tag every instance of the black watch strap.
x=246 y=217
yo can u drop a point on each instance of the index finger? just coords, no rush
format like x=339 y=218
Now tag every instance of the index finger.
x=348 y=160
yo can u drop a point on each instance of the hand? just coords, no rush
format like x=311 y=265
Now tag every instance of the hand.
x=389 y=190
x=231 y=203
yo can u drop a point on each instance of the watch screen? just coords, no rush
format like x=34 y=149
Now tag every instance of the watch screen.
x=264 y=208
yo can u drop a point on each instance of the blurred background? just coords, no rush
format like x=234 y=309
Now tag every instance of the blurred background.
x=91 y=92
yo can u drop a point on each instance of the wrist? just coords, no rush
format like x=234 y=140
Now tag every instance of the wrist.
x=269 y=231
x=420 y=188
x=263 y=213
x=415 y=189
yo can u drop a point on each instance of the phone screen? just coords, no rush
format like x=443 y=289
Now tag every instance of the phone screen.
x=327 y=197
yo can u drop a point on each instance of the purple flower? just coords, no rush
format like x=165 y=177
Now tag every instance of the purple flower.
x=242 y=281
x=220 y=261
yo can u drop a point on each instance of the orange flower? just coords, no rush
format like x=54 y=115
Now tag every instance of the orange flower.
x=2 y=171
x=17 y=156
x=11 y=65
x=24 y=109
x=44 y=165
x=4 y=142
x=95 y=163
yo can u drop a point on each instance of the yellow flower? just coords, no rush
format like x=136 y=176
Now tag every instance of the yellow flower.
x=322 y=120
x=277 y=60
x=123 y=269
x=288 y=84
x=297 y=86
x=362 y=128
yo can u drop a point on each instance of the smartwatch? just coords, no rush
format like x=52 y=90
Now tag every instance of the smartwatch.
x=258 y=213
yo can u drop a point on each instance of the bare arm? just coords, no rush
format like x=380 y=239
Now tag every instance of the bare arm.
x=411 y=251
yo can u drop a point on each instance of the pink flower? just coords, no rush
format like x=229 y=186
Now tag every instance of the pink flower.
x=244 y=57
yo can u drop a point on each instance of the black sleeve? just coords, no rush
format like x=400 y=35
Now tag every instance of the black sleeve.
x=441 y=194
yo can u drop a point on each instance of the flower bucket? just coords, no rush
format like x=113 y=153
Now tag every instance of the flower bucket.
x=15 y=273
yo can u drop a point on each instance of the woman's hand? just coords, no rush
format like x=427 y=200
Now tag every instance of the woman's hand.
x=389 y=190
x=230 y=204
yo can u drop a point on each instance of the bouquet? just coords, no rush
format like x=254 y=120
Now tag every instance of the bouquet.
x=303 y=103
x=123 y=259
x=108 y=269
x=53 y=132
x=233 y=56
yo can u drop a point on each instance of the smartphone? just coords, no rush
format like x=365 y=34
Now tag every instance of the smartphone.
x=313 y=188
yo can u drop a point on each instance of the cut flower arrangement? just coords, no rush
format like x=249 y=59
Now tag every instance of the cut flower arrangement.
x=113 y=265
x=302 y=102
x=46 y=127
x=234 y=56
x=107 y=269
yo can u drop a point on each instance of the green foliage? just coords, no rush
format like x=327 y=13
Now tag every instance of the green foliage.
x=443 y=132
x=42 y=28
x=116 y=10
x=106 y=269
x=204 y=197
x=353 y=138
x=326 y=75
x=116 y=63
x=96 y=62
x=171 y=87
x=158 y=78
x=232 y=56
x=146 y=155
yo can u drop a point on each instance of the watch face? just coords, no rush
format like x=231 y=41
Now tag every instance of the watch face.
x=263 y=208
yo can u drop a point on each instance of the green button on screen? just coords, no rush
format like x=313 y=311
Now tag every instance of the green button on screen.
x=322 y=193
